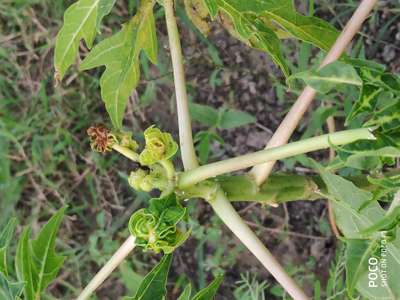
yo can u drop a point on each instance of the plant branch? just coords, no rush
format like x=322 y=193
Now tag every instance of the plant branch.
x=126 y=152
x=192 y=177
x=107 y=269
x=185 y=128
x=293 y=117
x=224 y=209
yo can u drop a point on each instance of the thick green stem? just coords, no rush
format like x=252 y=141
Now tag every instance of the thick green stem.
x=185 y=128
x=191 y=177
x=234 y=222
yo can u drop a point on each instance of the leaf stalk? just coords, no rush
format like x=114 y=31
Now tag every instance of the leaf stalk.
x=126 y=152
x=194 y=176
x=224 y=209
x=188 y=153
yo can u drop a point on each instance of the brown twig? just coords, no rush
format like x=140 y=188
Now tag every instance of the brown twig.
x=292 y=233
x=330 y=123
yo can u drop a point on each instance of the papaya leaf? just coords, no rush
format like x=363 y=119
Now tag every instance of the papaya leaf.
x=308 y=29
x=366 y=102
x=391 y=181
x=368 y=159
x=209 y=291
x=249 y=29
x=10 y=290
x=363 y=64
x=391 y=82
x=5 y=238
x=388 y=223
x=81 y=21
x=186 y=292
x=36 y=262
x=357 y=254
x=363 y=254
x=270 y=19
x=120 y=54
x=153 y=286
x=197 y=13
x=329 y=77
x=388 y=118
x=156 y=227
x=105 y=7
x=356 y=214
x=385 y=186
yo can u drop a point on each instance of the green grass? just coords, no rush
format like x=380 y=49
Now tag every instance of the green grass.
x=46 y=161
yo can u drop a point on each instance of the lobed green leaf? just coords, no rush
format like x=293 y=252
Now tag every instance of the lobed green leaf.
x=329 y=77
x=358 y=158
x=81 y=21
x=156 y=227
x=120 y=55
x=261 y=23
x=250 y=29
x=309 y=29
x=361 y=220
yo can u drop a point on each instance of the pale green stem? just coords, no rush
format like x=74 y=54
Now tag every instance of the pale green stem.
x=126 y=152
x=170 y=172
x=224 y=209
x=169 y=168
x=395 y=202
x=191 y=177
x=188 y=153
x=107 y=269
x=296 y=112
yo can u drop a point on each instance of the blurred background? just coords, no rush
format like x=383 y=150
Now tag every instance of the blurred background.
x=46 y=161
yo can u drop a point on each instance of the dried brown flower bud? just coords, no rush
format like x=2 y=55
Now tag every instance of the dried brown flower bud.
x=101 y=139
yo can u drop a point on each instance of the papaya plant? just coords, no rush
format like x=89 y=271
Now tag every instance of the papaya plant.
x=365 y=202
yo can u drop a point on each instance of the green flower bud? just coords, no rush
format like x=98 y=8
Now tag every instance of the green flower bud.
x=147 y=180
x=125 y=140
x=136 y=178
x=156 y=227
x=159 y=146
x=146 y=184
